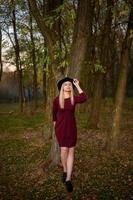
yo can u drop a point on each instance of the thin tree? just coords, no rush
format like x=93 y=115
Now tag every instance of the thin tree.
x=33 y=56
x=121 y=86
x=17 y=56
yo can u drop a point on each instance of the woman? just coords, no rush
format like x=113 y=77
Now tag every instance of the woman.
x=65 y=124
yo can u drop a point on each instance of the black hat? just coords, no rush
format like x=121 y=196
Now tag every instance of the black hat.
x=60 y=82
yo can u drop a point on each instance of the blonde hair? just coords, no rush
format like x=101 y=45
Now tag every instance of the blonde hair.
x=61 y=96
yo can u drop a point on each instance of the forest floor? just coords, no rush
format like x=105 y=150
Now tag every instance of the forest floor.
x=97 y=175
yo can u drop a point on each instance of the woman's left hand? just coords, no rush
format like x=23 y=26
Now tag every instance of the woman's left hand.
x=76 y=82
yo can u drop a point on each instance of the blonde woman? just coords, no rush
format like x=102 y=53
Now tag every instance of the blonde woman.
x=65 y=124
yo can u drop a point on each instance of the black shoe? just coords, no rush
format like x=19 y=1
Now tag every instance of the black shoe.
x=69 y=186
x=64 y=177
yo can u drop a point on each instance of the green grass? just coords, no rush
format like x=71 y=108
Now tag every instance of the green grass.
x=18 y=121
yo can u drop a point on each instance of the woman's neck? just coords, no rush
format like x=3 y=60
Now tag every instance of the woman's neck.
x=66 y=94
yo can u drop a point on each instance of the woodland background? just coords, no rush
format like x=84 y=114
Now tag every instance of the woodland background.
x=45 y=40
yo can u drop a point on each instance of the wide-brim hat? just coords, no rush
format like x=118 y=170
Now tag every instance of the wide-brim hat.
x=60 y=82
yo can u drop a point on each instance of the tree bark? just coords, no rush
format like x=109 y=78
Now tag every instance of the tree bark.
x=1 y=65
x=18 y=61
x=88 y=63
x=120 y=92
x=80 y=37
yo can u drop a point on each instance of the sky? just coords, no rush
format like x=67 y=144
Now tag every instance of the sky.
x=7 y=66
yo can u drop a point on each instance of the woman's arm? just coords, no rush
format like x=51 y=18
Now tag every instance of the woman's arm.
x=82 y=96
x=76 y=83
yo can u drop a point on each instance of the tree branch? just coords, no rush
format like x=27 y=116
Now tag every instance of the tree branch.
x=40 y=22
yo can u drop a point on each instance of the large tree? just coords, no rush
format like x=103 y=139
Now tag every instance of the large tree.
x=48 y=23
x=52 y=34
x=82 y=30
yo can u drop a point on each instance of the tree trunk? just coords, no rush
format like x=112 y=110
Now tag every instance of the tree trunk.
x=80 y=38
x=18 y=62
x=96 y=103
x=33 y=55
x=51 y=38
x=53 y=157
x=88 y=63
x=104 y=60
x=1 y=65
x=124 y=63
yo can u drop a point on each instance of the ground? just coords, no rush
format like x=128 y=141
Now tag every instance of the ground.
x=97 y=175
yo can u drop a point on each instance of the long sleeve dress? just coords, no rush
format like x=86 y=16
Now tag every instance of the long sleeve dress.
x=65 y=127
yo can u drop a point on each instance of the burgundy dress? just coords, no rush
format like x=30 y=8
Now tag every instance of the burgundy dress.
x=65 y=127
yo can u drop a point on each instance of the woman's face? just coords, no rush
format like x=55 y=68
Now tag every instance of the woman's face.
x=67 y=86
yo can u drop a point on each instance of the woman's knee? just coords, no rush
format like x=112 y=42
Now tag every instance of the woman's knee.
x=71 y=150
x=64 y=150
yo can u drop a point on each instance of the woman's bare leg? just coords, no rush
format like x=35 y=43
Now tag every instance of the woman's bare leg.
x=70 y=160
x=64 y=156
